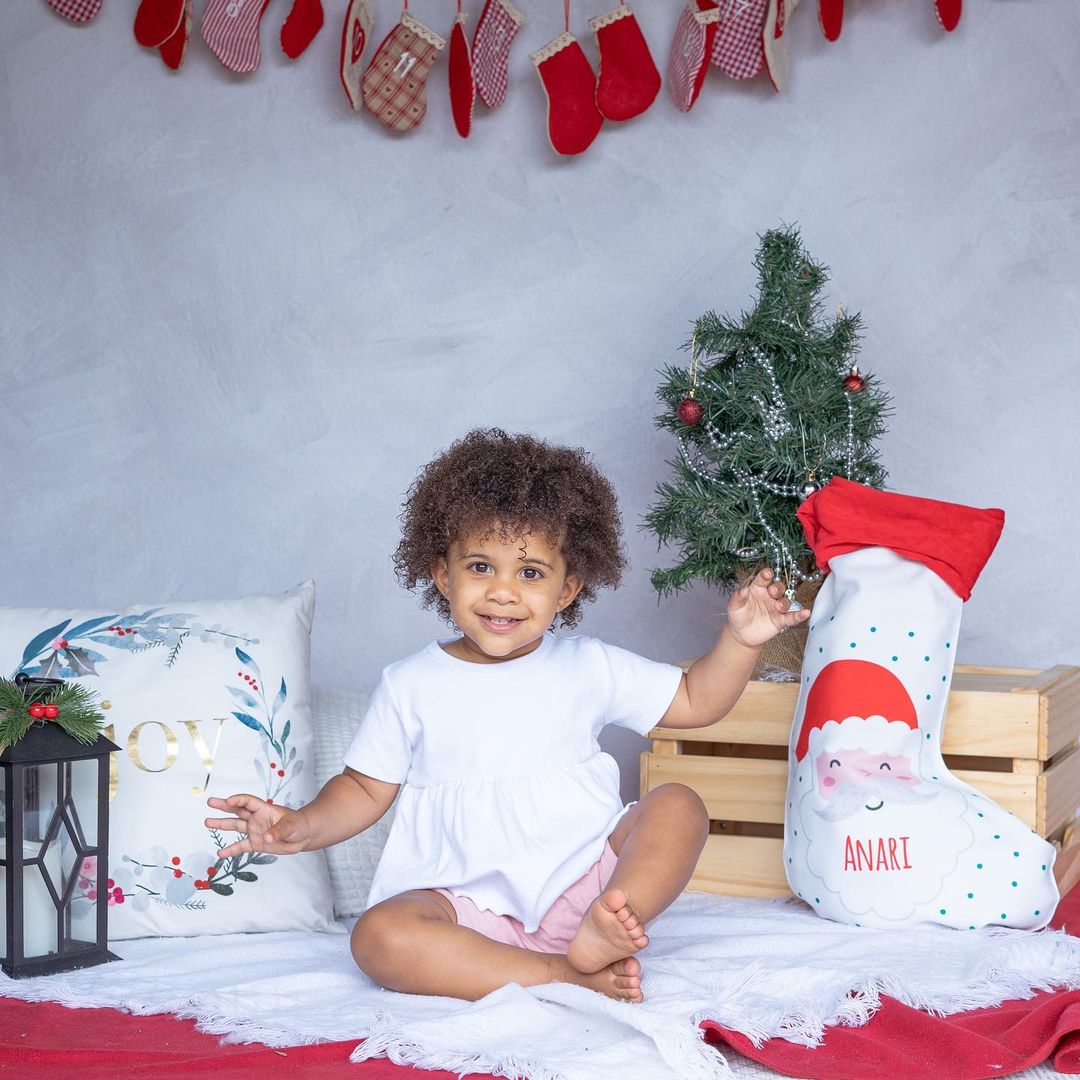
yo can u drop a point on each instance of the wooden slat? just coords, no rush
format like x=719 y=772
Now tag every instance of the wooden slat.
x=1059 y=792
x=985 y=722
x=1059 y=719
x=741 y=866
x=749 y=789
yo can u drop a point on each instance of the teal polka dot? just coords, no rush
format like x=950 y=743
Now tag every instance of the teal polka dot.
x=942 y=911
x=944 y=678
x=896 y=658
x=980 y=812
x=971 y=927
x=997 y=836
x=817 y=900
x=796 y=832
x=971 y=895
x=927 y=697
x=873 y=629
x=911 y=633
x=1044 y=867
x=1014 y=884
x=1003 y=915
x=978 y=866
x=948 y=644
x=1016 y=854
x=928 y=734
x=821 y=648
x=789 y=858
x=831 y=617
x=1036 y=911
x=927 y=658
x=853 y=644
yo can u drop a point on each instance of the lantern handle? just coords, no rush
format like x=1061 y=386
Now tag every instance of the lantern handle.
x=28 y=683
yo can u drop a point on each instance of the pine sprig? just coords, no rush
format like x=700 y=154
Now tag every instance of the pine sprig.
x=77 y=711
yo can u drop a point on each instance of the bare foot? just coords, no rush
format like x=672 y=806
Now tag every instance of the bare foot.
x=609 y=931
x=620 y=980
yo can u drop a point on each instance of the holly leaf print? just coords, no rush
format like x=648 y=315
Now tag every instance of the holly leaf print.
x=39 y=642
x=81 y=661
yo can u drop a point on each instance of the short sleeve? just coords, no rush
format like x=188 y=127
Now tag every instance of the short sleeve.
x=639 y=691
x=381 y=747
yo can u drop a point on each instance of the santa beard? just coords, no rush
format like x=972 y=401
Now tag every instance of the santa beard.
x=925 y=824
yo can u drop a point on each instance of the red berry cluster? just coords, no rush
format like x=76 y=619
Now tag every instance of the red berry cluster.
x=204 y=883
x=274 y=768
x=120 y=631
x=44 y=712
x=248 y=679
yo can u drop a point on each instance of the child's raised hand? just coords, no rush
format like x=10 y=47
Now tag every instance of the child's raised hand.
x=759 y=611
x=273 y=829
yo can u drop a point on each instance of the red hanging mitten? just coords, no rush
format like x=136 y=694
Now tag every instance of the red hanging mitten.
x=172 y=51
x=76 y=11
x=231 y=29
x=830 y=15
x=573 y=120
x=627 y=82
x=301 y=25
x=690 y=50
x=354 y=35
x=948 y=13
x=497 y=28
x=462 y=83
x=394 y=83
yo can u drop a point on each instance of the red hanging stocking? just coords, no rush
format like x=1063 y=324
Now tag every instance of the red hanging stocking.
x=573 y=120
x=627 y=82
x=690 y=49
x=394 y=83
x=830 y=15
x=777 y=14
x=164 y=25
x=738 y=48
x=354 y=35
x=231 y=29
x=172 y=51
x=301 y=25
x=497 y=28
x=76 y=11
x=462 y=83
x=948 y=13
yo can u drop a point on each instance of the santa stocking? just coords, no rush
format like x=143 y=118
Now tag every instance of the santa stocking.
x=497 y=28
x=354 y=35
x=738 y=49
x=231 y=29
x=690 y=51
x=395 y=82
x=76 y=11
x=301 y=25
x=877 y=831
x=462 y=83
x=627 y=82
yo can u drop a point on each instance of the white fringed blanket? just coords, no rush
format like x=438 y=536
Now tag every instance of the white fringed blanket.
x=765 y=968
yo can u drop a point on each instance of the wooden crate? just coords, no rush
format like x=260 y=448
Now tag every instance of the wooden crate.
x=1009 y=732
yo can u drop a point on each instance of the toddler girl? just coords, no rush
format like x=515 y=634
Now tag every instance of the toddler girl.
x=511 y=857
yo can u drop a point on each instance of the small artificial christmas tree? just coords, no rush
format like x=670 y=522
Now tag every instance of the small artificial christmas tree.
x=770 y=408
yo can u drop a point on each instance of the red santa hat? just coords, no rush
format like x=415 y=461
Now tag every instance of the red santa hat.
x=846 y=689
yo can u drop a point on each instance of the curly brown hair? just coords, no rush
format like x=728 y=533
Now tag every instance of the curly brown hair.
x=512 y=485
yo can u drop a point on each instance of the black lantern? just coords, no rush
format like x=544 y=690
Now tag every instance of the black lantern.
x=54 y=873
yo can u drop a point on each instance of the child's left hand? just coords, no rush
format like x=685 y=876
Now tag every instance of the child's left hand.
x=759 y=611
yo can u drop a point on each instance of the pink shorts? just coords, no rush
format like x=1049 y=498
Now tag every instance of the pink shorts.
x=557 y=928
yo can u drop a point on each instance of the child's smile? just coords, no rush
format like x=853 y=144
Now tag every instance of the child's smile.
x=503 y=594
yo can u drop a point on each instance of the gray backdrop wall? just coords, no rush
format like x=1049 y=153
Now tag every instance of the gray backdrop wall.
x=237 y=317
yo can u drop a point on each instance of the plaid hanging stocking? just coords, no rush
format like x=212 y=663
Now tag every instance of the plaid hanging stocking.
x=394 y=83
x=76 y=11
x=354 y=35
x=301 y=25
x=738 y=48
x=627 y=81
x=231 y=29
x=497 y=28
x=691 y=47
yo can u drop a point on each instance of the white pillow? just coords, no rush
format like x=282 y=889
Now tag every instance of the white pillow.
x=207 y=698
x=335 y=717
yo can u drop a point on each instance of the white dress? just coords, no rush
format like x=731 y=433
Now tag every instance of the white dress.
x=506 y=795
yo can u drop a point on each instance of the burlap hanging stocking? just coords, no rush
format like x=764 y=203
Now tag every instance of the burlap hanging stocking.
x=573 y=120
x=462 y=82
x=496 y=30
x=301 y=25
x=877 y=831
x=691 y=48
x=394 y=84
x=231 y=29
x=627 y=80
x=76 y=11
x=354 y=35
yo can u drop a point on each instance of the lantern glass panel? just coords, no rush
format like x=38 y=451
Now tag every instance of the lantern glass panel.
x=80 y=926
x=3 y=866
x=43 y=877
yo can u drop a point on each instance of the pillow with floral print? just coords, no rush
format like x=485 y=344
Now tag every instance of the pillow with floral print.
x=208 y=698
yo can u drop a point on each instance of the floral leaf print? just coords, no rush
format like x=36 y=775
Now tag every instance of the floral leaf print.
x=247 y=661
x=250 y=721
x=279 y=700
x=285 y=732
x=38 y=643
x=243 y=697
x=84 y=628
x=221 y=890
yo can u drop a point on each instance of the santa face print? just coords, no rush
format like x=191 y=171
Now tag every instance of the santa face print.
x=854 y=780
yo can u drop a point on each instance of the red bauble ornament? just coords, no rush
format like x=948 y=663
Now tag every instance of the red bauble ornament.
x=691 y=411
x=51 y=711
x=854 y=381
x=37 y=711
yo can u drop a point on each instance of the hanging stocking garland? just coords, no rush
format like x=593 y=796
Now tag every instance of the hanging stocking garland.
x=690 y=50
x=462 y=83
x=627 y=81
x=394 y=83
x=573 y=120
x=231 y=29
x=76 y=11
x=354 y=35
x=497 y=28
x=301 y=25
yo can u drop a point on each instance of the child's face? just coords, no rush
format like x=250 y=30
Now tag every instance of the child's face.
x=503 y=594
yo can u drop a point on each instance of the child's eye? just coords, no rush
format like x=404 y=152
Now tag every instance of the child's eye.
x=531 y=573
x=479 y=567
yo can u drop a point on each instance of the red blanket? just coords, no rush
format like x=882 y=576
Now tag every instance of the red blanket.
x=50 y=1042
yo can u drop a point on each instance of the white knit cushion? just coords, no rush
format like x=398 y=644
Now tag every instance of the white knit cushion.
x=335 y=717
